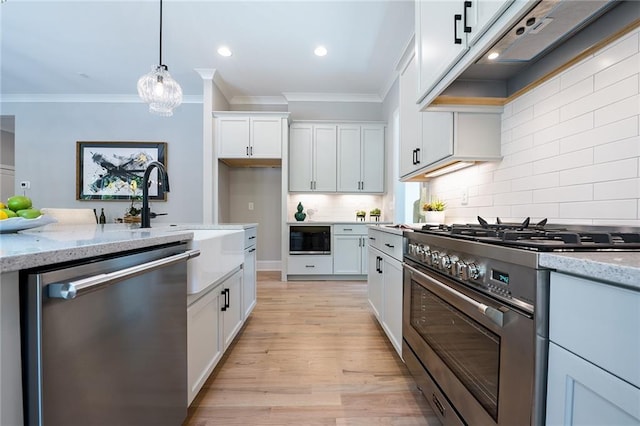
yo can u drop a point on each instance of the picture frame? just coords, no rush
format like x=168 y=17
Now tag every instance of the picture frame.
x=106 y=170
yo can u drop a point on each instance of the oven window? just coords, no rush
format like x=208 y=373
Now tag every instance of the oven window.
x=469 y=349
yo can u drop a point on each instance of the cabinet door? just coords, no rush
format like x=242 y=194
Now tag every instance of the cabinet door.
x=233 y=137
x=436 y=32
x=410 y=126
x=249 y=281
x=372 y=159
x=232 y=313
x=266 y=137
x=364 y=249
x=437 y=139
x=300 y=158
x=481 y=14
x=579 y=393
x=349 y=159
x=324 y=158
x=392 y=299
x=203 y=340
x=374 y=283
x=347 y=254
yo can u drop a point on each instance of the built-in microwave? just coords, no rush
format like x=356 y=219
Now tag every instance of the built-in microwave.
x=310 y=239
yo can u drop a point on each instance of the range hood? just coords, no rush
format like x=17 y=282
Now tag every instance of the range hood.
x=547 y=25
x=545 y=39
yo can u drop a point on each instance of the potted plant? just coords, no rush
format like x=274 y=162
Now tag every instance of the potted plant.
x=360 y=214
x=132 y=213
x=375 y=213
x=434 y=211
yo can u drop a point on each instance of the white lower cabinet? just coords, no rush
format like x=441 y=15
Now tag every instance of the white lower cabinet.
x=232 y=318
x=310 y=265
x=594 y=372
x=349 y=249
x=249 y=279
x=204 y=346
x=385 y=283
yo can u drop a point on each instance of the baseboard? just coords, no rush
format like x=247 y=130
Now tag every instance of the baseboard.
x=269 y=265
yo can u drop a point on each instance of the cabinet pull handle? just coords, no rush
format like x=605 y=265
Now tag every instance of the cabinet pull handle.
x=252 y=250
x=347 y=229
x=309 y=266
x=417 y=155
x=389 y=245
x=224 y=306
x=438 y=404
x=228 y=297
x=251 y=150
x=252 y=237
x=467 y=4
x=310 y=184
x=456 y=18
x=362 y=185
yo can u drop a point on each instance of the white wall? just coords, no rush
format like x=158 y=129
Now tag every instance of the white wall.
x=354 y=111
x=45 y=151
x=571 y=149
x=334 y=207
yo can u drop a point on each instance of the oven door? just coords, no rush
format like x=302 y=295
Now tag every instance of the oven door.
x=478 y=351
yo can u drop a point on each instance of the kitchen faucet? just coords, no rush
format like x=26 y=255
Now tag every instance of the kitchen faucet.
x=163 y=180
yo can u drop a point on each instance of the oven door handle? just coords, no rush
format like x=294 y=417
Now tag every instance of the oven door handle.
x=493 y=314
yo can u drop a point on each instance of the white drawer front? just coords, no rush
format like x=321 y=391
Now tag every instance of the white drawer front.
x=598 y=322
x=391 y=245
x=310 y=265
x=250 y=237
x=349 y=229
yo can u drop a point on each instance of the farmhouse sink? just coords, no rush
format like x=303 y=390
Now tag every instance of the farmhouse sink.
x=221 y=251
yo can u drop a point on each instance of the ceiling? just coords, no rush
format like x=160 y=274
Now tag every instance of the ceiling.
x=91 y=48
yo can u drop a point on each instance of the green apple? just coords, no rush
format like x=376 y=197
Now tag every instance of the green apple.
x=29 y=213
x=19 y=202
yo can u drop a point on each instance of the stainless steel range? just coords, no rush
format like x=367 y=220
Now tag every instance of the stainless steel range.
x=475 y=314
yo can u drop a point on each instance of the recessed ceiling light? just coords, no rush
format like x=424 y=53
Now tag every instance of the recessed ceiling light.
x=225 y=51
x=493 y=55
x=320 y=51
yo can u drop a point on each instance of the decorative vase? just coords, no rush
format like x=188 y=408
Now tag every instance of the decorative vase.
x=299 y=215
x=359 y=218
x=434 y=217
x=375 y=217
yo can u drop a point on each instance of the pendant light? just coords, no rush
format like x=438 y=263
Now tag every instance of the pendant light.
x=158 y=88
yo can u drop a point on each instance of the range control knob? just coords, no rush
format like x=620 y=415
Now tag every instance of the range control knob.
x=471 y=272
x=435 y=259
x=426 y=255
x=458 y=268
x=445 y=262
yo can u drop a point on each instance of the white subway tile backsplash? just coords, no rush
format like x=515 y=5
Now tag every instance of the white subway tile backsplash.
x=626 y=148
x=617 y=189
x=570 y=147
x=543 y=121
x=547 y=180
x=600 y=135
x=610 y=209
x=601 y=98
x=563 y=129
x=564 y=194
x=563 y=162
x=628 y=107
x=573 y=93
x=617 y=72
x=615 y=170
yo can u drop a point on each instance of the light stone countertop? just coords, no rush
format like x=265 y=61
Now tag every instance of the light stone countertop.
x=338 y=222
x=617 y=267
x=55 y=243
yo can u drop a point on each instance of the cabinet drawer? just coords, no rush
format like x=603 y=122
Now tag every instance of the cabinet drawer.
x=598 y=322
x=250 y=237
x=310 y=265
x=389 y=244
x=349 y=229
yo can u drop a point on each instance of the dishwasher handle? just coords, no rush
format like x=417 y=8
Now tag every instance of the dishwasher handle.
x=70 y=290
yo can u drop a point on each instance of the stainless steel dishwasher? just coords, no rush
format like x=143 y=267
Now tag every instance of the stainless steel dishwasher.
x=105 y=340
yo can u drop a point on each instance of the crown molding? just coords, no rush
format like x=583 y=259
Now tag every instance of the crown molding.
x=331 y=97
x=258 y=100
x=97 y=98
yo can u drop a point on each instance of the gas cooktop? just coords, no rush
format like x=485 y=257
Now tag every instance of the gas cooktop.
x=540 y=236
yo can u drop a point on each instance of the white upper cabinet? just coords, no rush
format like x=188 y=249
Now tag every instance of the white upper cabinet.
x=250 y=135
x=312 y=157
x=361 y=158
x=410 y=120
x=453 y=32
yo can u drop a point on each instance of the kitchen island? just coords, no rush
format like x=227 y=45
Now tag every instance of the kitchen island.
x=52 y=245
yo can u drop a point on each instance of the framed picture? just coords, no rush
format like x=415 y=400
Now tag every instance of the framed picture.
x=114 y=170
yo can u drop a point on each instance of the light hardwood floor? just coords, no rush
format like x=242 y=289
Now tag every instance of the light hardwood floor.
x=311 y=353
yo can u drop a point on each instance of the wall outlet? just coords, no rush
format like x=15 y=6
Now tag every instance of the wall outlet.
x=25 y=184
x=465 y=197
x=250 y=206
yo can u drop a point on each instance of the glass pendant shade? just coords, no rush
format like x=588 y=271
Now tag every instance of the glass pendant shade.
x=160 y=91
